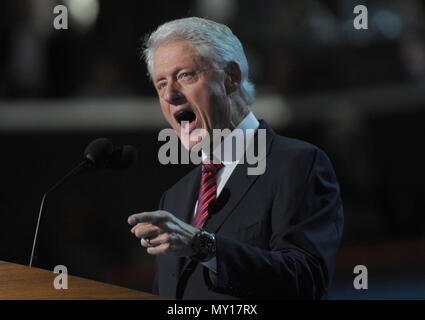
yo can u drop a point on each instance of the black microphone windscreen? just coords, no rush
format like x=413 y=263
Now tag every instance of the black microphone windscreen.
x=99 y=152
x=123 y=158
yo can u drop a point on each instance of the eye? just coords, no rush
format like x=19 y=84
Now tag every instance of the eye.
x=161 y=85
x=185 y=75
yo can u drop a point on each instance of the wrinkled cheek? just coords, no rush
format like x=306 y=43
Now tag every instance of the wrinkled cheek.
x=202 y=100
x=219 y=107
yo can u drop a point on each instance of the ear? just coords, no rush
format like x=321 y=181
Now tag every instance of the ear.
x=233 y=77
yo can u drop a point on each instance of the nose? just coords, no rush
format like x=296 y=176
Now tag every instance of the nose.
x=173 y=95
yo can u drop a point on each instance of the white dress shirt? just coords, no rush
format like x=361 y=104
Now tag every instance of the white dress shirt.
x=249 y=122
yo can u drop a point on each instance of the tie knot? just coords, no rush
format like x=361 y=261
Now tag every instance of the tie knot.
x=207 y=166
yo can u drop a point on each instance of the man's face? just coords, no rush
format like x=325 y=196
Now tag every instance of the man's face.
x=190 y=90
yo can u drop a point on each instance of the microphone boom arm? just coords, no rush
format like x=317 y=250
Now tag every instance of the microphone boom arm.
x=71 y=173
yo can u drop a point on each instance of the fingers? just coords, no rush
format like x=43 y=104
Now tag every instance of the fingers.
x=157 y=245
x=162 y=248
x=146 y=242
x=139 y=225
x=159 y=240
x=146 y=230
x=153 y=217
x=152 y=237
x=161 y=232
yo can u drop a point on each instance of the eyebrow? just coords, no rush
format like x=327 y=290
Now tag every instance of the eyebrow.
x=174 y=71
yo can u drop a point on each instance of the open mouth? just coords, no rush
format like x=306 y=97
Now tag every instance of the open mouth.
x=185 y=117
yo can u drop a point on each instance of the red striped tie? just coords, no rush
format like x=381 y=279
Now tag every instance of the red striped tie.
x=207 y=193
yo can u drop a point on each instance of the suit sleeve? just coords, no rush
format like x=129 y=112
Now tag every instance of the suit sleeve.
x=305 y=230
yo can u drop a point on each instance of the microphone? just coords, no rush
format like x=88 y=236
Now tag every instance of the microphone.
x=99 y=154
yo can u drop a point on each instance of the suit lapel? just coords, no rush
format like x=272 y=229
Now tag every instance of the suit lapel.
x=237 y=185
x=239 y=182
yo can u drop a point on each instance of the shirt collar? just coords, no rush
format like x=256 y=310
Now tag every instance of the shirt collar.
x=250 y=122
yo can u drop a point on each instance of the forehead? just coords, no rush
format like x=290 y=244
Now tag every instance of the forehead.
x=173 y=56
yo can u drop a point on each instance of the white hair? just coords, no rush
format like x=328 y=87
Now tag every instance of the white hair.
x=210 y=39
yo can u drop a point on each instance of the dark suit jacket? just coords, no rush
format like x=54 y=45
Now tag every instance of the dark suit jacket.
x=277 y=233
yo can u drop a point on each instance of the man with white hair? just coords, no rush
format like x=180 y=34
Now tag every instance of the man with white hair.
x=221 y=233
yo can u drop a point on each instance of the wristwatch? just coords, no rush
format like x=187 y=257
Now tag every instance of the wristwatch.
x=203 y=245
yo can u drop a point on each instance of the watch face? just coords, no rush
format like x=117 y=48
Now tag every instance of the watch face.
x=203 y=245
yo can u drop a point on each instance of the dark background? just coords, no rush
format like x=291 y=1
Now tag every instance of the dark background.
x=357 y=94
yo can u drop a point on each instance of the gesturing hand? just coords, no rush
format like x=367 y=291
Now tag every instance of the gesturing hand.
x=161 y=232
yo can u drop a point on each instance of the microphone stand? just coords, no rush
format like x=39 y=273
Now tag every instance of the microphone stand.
x=98 y=155
x=80 y=167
